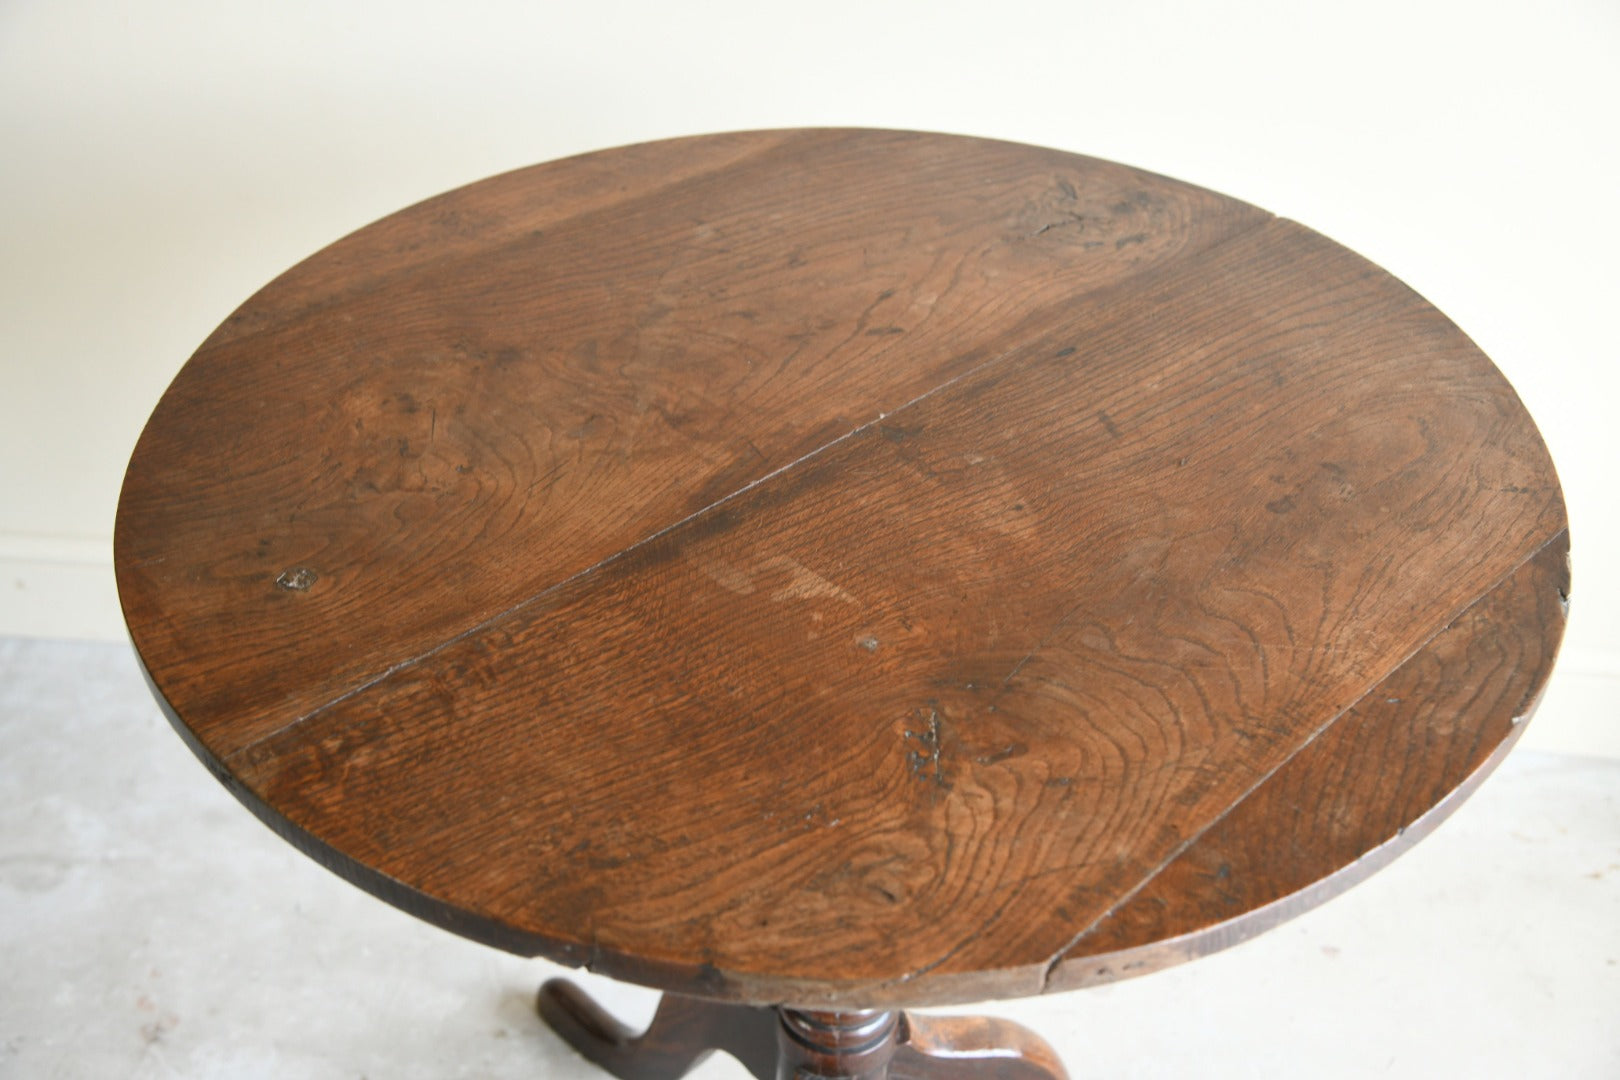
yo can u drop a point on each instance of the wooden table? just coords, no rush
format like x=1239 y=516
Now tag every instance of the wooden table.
x=823 y=572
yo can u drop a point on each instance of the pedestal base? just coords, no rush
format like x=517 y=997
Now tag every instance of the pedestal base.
x=789 y=1044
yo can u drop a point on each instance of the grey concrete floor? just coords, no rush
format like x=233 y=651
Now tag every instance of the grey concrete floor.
x=150 y=927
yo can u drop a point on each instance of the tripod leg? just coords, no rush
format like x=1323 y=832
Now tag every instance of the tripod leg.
x=683 y=1032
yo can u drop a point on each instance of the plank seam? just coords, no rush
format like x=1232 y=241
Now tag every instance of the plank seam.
x=1133 y=282
x=1190 y=841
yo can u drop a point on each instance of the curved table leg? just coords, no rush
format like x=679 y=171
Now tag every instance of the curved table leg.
x=683 y=1032
x=972 y=1048
x=789 y=1043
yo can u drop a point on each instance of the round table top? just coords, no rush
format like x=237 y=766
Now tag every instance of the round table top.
x=843 y=567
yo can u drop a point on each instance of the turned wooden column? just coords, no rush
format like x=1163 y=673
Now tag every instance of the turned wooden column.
x=853 y=1045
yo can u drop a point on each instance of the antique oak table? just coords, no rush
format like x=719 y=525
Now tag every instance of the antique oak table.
x=818 y=573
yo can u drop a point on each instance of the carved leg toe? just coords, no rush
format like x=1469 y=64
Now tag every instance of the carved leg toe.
x=972 y=1048
x=683 y=1032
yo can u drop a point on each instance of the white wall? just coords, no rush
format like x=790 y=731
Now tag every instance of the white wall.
x=158 y=162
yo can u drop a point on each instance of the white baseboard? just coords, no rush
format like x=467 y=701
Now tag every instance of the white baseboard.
x=58 y=587
x=1580 y=711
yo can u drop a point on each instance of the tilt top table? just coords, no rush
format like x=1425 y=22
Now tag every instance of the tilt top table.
x=818 y=573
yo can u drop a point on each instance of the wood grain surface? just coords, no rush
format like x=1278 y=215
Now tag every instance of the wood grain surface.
x=844 y=568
